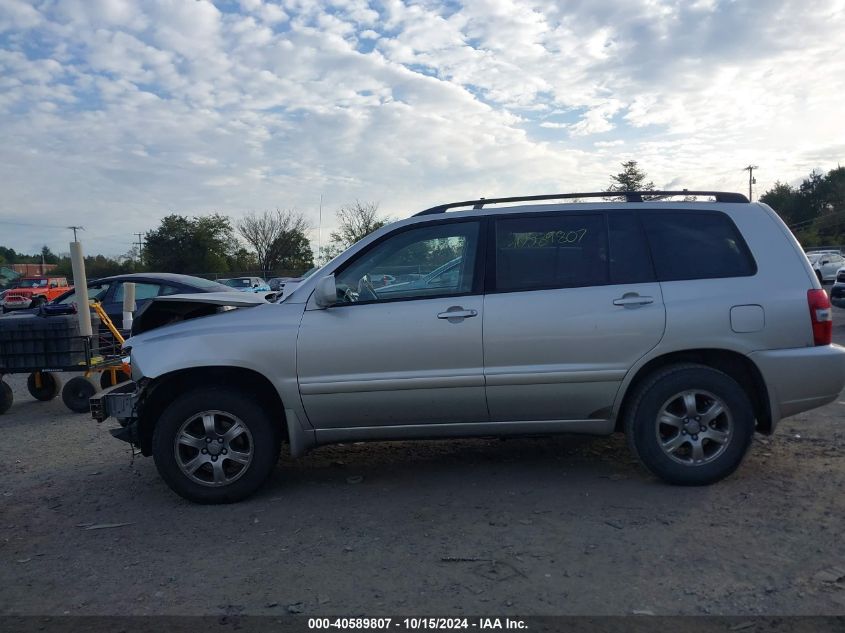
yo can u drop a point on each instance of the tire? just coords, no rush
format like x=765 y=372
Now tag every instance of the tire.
x=819 y=275
x=677 y=449
x=6 y=397
x=105 y=378
x=51 y=386
x=217 y=478
x=76 y=394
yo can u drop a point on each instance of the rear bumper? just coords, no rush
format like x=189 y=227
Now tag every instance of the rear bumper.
x=801 y=379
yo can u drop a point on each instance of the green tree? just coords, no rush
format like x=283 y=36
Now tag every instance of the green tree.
x=47 y=255
x=631 y=178
x=278 y=239
x=294 y=249
x=190 y=245
x=784 y=199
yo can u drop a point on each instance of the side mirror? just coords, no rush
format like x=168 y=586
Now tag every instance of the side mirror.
x=825 y=261
x=325 y=294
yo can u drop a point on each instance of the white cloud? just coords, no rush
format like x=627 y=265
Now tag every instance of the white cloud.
x=114 y=113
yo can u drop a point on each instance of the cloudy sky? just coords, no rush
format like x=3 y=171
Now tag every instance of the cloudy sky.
x=114 y=113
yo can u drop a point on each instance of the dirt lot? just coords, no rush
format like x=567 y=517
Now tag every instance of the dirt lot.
x=532 y=526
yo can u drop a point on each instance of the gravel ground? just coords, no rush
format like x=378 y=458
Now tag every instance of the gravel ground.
x=564 y=525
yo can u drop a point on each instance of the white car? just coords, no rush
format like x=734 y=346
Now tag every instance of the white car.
x=826 y=264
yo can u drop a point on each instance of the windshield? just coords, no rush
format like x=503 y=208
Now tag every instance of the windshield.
x=33 y=283
x=95 y=292
x=238 y=282
x=206 y=284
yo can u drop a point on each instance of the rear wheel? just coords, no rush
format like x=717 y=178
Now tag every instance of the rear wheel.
x=43 y=386
x=215 y=445
x=690 y=425
x=77 y=393
x=6 y=397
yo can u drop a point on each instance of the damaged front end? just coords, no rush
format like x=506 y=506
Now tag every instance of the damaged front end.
x=120 y=402
x=124 y=402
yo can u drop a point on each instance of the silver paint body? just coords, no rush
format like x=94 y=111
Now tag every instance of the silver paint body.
x=531 y=362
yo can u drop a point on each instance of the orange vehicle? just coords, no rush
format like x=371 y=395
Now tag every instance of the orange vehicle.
x=33 y=291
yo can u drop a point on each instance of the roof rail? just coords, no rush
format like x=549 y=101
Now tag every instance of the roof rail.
x=630 y=196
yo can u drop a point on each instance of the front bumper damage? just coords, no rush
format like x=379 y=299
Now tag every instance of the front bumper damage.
x=121 y=403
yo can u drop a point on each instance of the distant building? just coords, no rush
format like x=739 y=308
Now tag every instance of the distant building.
x=33 y=270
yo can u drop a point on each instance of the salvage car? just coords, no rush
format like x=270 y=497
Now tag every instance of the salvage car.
x=689 y=326
x=109 y=290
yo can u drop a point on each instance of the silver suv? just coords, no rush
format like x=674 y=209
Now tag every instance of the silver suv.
x=686 y=325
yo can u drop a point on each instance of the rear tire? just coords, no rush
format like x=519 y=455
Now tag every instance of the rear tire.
x=6 y=397
x=690 y=425
x=77 y=393
x=50 y=387
x=198 y=436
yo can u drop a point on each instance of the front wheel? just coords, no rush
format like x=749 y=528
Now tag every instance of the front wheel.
x=690 y=425
x=216 y=445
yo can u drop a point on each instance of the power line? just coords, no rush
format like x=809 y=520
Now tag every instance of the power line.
x=40 y=226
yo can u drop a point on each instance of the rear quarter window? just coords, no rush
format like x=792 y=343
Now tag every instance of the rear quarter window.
x=697 y=245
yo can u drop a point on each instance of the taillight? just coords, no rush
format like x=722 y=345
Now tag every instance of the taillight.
x=821 y=316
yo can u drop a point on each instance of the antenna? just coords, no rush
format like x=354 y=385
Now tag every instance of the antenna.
x=320 y=231
x=75 y=229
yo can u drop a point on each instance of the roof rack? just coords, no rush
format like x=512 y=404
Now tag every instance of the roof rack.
x=630 y=196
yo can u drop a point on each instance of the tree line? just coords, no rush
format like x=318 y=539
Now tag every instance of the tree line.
x=276 y=242
x=268 y=243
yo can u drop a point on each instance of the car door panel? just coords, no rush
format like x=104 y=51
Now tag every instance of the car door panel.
x=412 y=368
x=559 y=336
x=562 y=353
x=404 y=357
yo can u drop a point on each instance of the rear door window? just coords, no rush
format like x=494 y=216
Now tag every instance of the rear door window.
x=699 y=245
x=559 y=251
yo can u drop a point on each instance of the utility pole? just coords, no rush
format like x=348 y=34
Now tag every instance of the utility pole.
x=75 y=229
x=751 y=180
x=140 y=245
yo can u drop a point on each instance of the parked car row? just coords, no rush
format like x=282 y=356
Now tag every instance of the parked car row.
x=31 y=292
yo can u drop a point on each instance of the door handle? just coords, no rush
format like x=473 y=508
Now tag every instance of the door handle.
x=632 y=299
x=456 y=314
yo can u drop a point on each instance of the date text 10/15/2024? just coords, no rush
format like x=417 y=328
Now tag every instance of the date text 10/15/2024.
x=417 y=623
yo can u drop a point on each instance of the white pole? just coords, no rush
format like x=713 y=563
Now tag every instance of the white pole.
x=128 y=305
x=80 y=284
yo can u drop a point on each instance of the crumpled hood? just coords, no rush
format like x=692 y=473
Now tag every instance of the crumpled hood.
x=234 y=298
x=173 y=309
